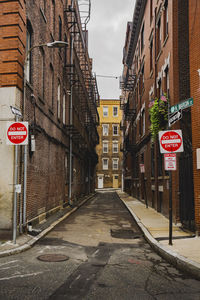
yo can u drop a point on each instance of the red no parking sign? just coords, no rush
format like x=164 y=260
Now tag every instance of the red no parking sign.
x=171 y=141
x=17 y=133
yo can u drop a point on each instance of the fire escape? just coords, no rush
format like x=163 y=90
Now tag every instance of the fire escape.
x=83 y=84
x=127 y=83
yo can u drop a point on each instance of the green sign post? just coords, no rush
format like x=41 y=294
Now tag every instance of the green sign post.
x=182 y=105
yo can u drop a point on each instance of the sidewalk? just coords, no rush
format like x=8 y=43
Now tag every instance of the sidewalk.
x=26 y=241
x=184 y=254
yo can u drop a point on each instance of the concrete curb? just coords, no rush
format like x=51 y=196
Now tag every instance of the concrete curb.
x=177 y=260
x=35 y=239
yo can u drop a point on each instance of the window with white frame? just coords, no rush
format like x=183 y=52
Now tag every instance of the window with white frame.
x=115 y=147
x=115 y=163
x=105 y=111
x=115 y=111
x=105 y=129
x=115 y=129
x=105 y=146
x=105 y=163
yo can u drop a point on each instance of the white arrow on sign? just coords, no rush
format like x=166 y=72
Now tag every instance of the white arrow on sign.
x=175 y=117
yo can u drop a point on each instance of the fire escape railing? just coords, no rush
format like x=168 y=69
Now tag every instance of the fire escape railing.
x=83 y=81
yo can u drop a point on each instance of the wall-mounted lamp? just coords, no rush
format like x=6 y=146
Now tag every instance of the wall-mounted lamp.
x=198 y=72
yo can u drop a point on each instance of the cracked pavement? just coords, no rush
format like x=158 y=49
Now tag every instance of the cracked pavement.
x=108 y=259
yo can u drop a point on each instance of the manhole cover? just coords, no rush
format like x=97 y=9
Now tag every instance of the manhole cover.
x=125 y=234
x=53 y=257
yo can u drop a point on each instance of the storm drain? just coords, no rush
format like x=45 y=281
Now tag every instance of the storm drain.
x=53 y=257
x=125 y=234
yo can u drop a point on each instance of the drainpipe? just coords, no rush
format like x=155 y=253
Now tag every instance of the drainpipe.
x=155 y=95
x=25 y=150
x=71 y=109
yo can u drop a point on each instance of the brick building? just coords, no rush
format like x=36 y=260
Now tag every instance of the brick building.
x=156 y=62
x=108 y=171
x=59 y=100
x=194 y=49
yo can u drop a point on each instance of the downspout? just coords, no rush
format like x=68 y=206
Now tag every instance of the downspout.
x=25 y=148
x=155 y=95
x=71 y=108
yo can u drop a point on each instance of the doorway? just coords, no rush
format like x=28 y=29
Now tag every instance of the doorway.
x=100 y=182
x=115 y=181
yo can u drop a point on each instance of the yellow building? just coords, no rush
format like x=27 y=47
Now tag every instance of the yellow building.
x=109 y=168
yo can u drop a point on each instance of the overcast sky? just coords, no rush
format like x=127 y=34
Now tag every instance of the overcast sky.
x=107 y=29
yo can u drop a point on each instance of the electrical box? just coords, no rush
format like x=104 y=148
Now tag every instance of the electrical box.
x=198 y=159
x=32 y=143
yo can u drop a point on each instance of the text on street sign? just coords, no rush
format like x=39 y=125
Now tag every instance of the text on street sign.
x=17 y=133
x=171 y=141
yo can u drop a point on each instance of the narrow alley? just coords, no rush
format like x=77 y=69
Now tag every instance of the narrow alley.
x=101 y=254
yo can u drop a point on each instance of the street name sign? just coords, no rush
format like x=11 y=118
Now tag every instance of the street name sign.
x=171 y=141
x=170 y=161
x=17 y=133
x=16 y=111
x=173 y=118
x=182 y=105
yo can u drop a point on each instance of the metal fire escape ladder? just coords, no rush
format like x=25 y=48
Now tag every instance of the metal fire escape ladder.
x=82 y=79
x=85 y=10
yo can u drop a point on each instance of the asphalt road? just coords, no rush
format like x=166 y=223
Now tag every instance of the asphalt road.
x=106 y=258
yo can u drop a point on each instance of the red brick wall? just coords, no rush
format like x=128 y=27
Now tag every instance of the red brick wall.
x=174 y=46
x=194 y=39
x=12 y=42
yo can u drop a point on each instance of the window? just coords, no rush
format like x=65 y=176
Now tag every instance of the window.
x=29 y=34
x=115 y=111
x=141 y=81
x=105 y=163
x=51 y=87
x=105 y=129
x=158 y=37
x=115 y=147
x=105 y=146
x=52 y=17
x=151 y=10
x=115 y=163
x=165 y=17
x=58 y=100
x=166 y=81
x=60 y=29
x=105 y=111
x=151 y=53
x=64 y=108
x=159 y=88
x=142 y=38
x=115 y=129
x=143 y=122
x=41 y=73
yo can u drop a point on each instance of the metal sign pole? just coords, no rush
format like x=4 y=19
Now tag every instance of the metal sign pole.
x=15 y=192
x=170 y=207
x=170 y=192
